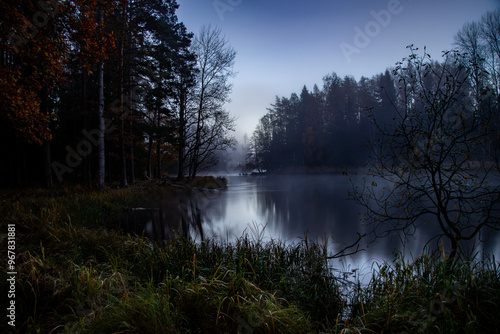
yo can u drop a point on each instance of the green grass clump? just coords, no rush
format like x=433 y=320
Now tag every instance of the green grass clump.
x=430 y=295
x=104 y=282
x=84 y=207
x=76 y=276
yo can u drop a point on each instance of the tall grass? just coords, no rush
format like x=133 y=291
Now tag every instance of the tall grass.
x=74 y=275
x=430 y=295
x=100 y=281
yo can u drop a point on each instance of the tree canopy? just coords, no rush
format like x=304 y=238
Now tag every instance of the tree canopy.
x=97 y=90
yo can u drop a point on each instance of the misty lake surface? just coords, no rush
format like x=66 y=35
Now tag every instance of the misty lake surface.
x=284 y=207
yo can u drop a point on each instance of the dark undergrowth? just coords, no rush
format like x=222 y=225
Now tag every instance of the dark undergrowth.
x=75 y=276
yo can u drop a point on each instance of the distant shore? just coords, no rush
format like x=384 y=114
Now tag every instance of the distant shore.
x=308 y=170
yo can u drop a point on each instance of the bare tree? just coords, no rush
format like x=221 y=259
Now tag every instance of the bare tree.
x=435 y=162
x=215 y=61
x=469 y=41
x=490 y=33
x=480 y=41
x=213 y=137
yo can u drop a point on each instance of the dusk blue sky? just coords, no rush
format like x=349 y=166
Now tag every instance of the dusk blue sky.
x=283 y=45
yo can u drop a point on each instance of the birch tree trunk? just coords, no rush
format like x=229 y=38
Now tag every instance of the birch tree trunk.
x=100 y=115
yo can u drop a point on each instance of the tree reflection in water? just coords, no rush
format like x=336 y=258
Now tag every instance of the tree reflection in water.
x=165 y=219
x=289 y=206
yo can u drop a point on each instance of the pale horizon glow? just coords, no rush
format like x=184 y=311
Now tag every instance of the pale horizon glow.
x=282 y=46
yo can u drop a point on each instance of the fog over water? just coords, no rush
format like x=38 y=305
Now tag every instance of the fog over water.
x=280 y=207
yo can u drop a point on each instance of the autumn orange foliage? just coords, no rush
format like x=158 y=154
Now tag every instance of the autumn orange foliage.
x=37 y=41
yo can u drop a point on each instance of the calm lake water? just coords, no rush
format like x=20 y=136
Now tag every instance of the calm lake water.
x=278 y=207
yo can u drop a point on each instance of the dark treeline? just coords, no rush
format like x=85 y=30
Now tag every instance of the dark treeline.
x=322 y=127
x=108 y=90
x=328 y=127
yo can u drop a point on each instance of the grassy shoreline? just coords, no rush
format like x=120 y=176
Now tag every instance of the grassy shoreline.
x=74 y=275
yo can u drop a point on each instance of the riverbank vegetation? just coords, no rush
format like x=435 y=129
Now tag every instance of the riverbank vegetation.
x=121 y=91
x=76 y=275
x=117 y=91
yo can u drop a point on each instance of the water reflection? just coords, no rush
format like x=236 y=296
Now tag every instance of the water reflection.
x=289 y=207
x=165 y=219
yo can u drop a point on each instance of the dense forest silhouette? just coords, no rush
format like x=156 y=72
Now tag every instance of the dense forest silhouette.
x=324 y=127
x=109 y=90
x=332 y=126
x=97 y=90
